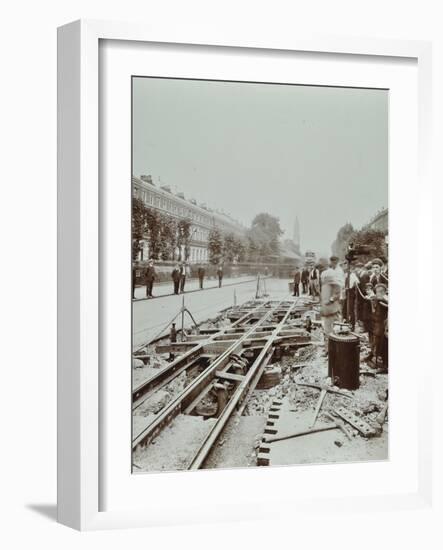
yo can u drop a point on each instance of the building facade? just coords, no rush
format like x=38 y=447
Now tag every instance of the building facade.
x=203 y=219
x=380 y=222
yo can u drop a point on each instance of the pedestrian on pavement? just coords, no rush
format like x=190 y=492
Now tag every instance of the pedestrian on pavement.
x=150 y=277
x=220 y=275
x=135 y=273
x=297 y=278
x=305 y=279
x=201 y=275
x=176 y=278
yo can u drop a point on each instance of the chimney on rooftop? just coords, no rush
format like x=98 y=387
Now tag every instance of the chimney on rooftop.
x=147 y=179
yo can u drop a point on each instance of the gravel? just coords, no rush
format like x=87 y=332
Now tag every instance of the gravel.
x=175 y=447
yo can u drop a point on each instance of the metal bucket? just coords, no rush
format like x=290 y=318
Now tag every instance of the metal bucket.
x=344 y=360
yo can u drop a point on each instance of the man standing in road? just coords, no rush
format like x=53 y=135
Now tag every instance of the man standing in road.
x=350 y=296
x=314 y=282
x=150 y=277
x=305 y=280
x=330 y=302
x=135 y=274
x=334 y=264
x=220 y=275
x=201 y=275
x=176 y=278
x=297 y=278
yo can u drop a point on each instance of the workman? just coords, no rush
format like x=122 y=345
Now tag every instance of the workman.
x=330 y=302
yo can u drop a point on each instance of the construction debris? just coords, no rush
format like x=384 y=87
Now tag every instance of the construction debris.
x=292 y=414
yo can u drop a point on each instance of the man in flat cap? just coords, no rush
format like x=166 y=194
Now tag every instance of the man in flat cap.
x=376 y=276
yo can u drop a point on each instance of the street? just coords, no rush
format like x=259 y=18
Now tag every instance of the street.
x=151 y=316
x=166 y=288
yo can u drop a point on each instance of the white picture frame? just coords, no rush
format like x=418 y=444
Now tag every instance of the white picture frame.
x=79 y=256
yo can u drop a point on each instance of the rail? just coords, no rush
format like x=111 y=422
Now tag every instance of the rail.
x=242 y=392
x=199 y=386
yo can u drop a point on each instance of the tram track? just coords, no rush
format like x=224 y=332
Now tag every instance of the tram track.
x=145 y=389
x=255 y=329
x=243 y=390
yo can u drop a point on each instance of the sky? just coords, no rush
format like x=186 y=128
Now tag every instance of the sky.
x=316 y=153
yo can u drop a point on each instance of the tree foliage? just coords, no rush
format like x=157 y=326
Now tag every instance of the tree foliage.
x=340 y=246
x=169 y=238
x=184 y=238
x=164 y=234
x=264 y=237
x=239 y=249
x=229 y=247
x=153 y=232
x=215 y=246
x=138 y=226
x=370 y=239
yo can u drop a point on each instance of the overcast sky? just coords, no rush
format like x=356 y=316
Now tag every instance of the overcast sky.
x=317 y=153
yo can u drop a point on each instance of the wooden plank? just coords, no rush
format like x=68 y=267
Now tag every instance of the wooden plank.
x=229 y=376
x=176 y=347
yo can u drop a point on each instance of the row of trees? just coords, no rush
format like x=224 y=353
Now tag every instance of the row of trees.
x=225 y=247
x=260 y=243
x=169 y=239
x=370 y=239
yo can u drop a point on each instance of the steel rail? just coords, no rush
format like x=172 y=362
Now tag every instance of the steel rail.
x=191 y=391
x=144 y=390
x=243 y=389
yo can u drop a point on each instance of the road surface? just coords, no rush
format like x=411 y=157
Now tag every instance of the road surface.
x=192 y=285
x=152 y=317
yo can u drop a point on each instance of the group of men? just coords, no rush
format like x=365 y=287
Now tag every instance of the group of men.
x=367 y=303
x=355 y=293
x=179 y=274
x=309 y=279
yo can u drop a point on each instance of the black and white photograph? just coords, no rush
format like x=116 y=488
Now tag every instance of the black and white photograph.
x=223 y=234
x=260 y=274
